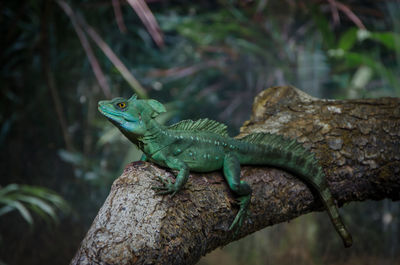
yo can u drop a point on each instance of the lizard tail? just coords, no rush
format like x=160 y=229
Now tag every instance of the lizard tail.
x=333 y=213
x=290 y=155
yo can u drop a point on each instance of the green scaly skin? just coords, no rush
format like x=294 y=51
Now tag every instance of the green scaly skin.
x=204 y=146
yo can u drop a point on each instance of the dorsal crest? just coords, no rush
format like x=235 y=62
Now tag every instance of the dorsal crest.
x=204 y=125
x=272 y=140
x=279 y=141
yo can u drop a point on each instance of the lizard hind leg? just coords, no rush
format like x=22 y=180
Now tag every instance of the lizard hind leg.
x=231 y=168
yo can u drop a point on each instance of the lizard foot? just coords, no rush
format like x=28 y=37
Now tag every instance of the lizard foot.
x=244 y=202
x=167 y=188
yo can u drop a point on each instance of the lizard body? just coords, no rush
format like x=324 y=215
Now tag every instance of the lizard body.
x=204 y=146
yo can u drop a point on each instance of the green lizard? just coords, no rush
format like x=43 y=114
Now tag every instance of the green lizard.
x=204 y=145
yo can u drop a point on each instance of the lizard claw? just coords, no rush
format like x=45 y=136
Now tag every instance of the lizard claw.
x=167 y=187
x=237 y=223
x=164 y=182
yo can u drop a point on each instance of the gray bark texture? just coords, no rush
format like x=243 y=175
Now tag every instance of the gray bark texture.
x=356 y=141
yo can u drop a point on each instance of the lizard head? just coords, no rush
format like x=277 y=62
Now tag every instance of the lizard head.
x=131 y=115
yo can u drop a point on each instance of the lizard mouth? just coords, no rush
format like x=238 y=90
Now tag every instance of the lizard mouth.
x=106 y=112
x=112 y=115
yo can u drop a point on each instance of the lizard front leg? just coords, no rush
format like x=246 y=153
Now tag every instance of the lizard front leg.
x=182 y=177
x=143 y=157
x=240 y=187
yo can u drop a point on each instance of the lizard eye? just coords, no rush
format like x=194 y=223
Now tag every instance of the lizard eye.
x=121 y=105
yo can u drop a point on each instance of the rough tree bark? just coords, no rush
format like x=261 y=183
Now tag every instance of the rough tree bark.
x=356 y=141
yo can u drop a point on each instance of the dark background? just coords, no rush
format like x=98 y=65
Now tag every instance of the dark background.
x=200 y=58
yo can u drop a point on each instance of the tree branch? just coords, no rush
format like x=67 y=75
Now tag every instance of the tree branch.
x=356 y=141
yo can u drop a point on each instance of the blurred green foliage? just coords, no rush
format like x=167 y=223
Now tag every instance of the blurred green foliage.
x=218 y=55
x=37 y=199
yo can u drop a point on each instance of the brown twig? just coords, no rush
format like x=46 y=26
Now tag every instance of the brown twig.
x=149 y=21
x=49 y=76
x=80 y=22
x=106 y=3
x=88 y=49
x=334 y=11
x=118 y=16
x=349 y=13
x=113 y=58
